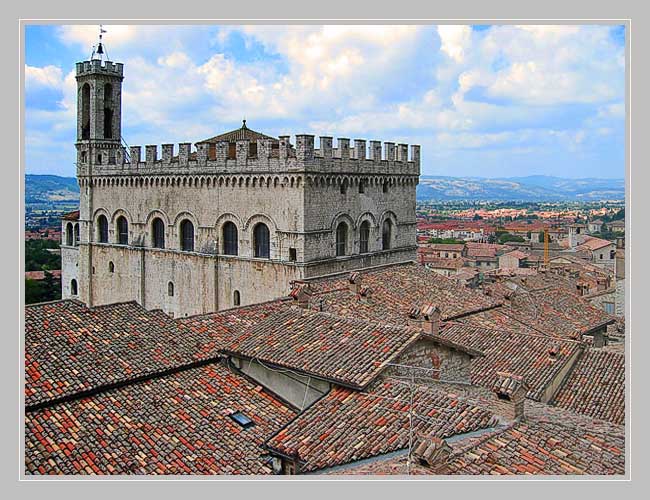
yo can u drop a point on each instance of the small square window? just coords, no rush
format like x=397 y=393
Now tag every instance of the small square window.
x=242 y=419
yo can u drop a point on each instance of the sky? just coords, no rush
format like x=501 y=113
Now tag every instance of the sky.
x=486 y=101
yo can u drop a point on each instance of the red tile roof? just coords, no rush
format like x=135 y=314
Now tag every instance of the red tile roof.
x=395 y=291
x=596 y=387
x=549 y=441
x=347 y=351
x=346 y=425
x=592 y=244
x=177 y=424
x=522 y=354
x=71 y=215
x=548 y=448
x=40 y=275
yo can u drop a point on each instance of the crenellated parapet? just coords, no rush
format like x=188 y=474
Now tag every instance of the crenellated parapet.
x=95 y=66
x=263 y=155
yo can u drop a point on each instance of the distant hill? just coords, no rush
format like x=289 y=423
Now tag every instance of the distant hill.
x=50 y=188
x=531 y=188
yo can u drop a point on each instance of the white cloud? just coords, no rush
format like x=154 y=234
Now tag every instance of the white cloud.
x=48 y=76
x=455 y=40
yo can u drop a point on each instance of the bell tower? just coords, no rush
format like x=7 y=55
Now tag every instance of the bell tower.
x=99 y=110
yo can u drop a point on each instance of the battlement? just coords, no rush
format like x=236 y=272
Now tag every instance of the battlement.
x=95 y=66
x=262 y=155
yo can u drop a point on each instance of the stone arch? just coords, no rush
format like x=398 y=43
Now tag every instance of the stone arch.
x=342 y=216
x=118 y=212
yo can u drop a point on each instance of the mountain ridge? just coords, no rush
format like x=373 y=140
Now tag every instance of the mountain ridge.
x=42 y=188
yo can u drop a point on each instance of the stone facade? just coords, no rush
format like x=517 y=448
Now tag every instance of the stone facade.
x=440 y=362
x=300 y=193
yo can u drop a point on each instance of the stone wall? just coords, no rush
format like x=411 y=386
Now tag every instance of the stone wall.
x=448 y=364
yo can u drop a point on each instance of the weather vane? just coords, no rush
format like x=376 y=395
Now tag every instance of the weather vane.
x=99 y=49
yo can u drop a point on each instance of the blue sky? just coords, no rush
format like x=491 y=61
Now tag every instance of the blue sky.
x=489 y=101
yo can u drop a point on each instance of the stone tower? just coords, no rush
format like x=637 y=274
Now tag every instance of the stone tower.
x=231 y=221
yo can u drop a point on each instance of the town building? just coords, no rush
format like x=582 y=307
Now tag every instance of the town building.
x=231 y=221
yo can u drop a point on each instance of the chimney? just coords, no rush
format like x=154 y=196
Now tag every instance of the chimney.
x=510 y=391
x=553 y=352
x=431 y=315
x=365 y=292
x=354 y=281
x=433 y=453
x=301 y=294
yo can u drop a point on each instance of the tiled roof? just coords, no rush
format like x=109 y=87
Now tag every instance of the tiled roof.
x=395 y=291
x=596 y=387
x=446 y=247
x=39 y=275
x=441 y=262
x=549 y=441
x=218 y=329
x=517 y=254
x=557 y=312
x=592 y=243
x=347 y=351
x=177 y=424
x=346 y=425
x=548 y=448
x=520 y=352
x=71 y=215
x=242 y=133
x=71 y=349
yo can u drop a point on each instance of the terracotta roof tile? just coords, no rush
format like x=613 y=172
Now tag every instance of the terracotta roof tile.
x=395 y=290
x=178 y=424
x=523 y=353
x=351 y=352
x=596 y=387
x=346 y=425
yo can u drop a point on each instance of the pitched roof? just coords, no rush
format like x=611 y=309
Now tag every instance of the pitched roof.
x=548 y=448
x=517 y=254
x=72 y=349
x=346 y=425
x=592 y=243
x=596 y=387
x=242 y=133
x=527 y=355
x=348 y=351
x=395 y=291
x=71 y=215
x=177 y=424
x=550 y=441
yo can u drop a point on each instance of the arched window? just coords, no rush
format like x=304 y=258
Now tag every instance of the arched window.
x=111 y=267
x=68 y=234
x=122 y=230
x=386 y=234
x=187 y=236
x=236 y=298
x=230 y=244
x=385 y=187
x=158 y=233
x=102 y=229
x=108 y=111
x=362 y=187
x=364 y=236
x=344 y=186
x=76 y=235
x=73 y=287
x=85 y=111
x=170 y=289
x=341 y=238
x=261 y=241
